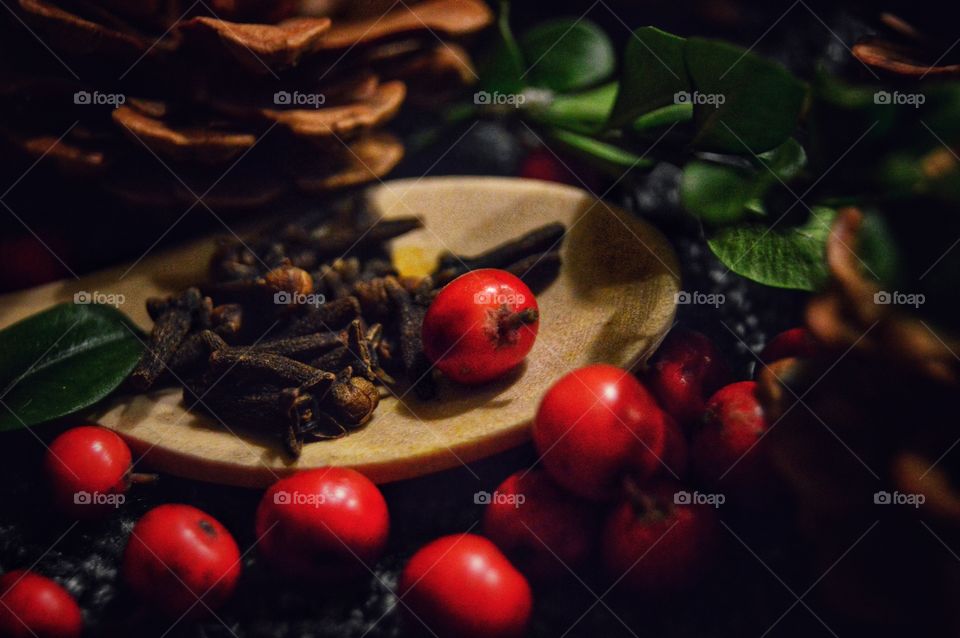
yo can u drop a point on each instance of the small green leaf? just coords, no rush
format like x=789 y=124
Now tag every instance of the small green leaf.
x=63 y=360
x=663 y=116
x=614 y=158
x=786 y=161
x=783 y=257
x=742 y=103
x=583 y=112
x=502 y=68
x=718 y=194
x=653 y=73
x=567 y=55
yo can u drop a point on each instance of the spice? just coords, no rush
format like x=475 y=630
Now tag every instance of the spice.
x=543 y=239
x=295 y=330
x=172 y=320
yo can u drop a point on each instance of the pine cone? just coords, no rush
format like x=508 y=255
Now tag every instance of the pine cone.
x=236 y=103
x=873 y=419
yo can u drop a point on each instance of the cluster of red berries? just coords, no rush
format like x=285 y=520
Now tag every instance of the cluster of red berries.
x=614 y=451
x=618 y=455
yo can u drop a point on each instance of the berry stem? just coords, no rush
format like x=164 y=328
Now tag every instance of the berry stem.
x=140 y=478
x=514 y=320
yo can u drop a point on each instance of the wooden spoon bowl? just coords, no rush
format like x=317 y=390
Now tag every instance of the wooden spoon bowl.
x=613 y=302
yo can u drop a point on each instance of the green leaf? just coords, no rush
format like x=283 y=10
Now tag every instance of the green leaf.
x=786 y=161
x=63 y=360
x=567 y=55
x=722 y=194
x=663 y=116
x=718 y=193
x=502 y=68
x=583 y=112
x=783 y=257
x=614 y=158
x=742 y=103
x=653 y=73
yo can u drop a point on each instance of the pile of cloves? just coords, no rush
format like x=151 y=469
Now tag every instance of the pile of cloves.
x=297 y=331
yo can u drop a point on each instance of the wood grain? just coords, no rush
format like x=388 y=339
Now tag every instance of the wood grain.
x=613 y=302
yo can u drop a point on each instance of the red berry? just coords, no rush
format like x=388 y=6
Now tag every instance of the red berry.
x=676 y=455
x=87 y=469
x=463 y=586
x=686 y=370
x=542 y=164
x=596 y=425
x=657 y=545
x=545 y=530
x=480 y=326
x=726 y=452
x=796 y=342
x=25 y=261
x=32 y=606
x=324 y=525
x=178 y=555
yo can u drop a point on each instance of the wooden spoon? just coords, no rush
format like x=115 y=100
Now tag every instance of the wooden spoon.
x=613 y=302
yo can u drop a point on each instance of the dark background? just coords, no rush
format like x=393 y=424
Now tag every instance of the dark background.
x=750 y=589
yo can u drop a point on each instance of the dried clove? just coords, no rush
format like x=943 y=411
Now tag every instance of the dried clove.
x=415 y=364
x=174 y=318
x=543 y=239
x=323 y=318
x=317 y=376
